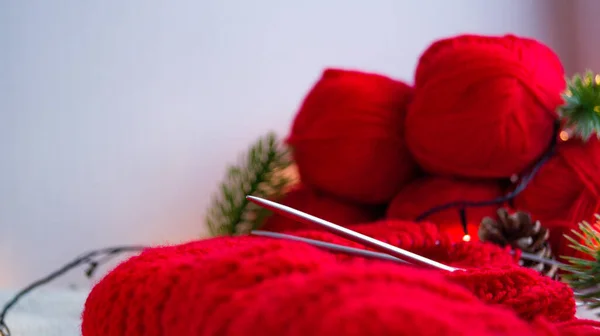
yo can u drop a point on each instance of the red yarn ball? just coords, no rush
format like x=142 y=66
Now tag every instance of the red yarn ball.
x=321 y=205
x=431 y=191
x=483 y=106
x=347 y=137
x=565 y=191
x=567 y=187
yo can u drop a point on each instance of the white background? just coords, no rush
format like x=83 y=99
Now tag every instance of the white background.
x=118 y=118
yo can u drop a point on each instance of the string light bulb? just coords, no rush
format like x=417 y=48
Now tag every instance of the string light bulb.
x=467 y=238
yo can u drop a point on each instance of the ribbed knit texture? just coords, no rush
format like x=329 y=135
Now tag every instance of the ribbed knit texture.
x=251 y=285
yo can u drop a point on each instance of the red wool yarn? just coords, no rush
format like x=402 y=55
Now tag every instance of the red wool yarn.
x=475 y=254
x=431 y=191
x=567 y=187
x=483 y=106
x=491 y=272
x=240 y=285
x=367 y=299
x=565 y=191
x=324 y=206
x=523 y=290
x=172 y=290
x=348 y=136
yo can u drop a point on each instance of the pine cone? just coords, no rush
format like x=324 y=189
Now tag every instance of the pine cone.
x=519 y=231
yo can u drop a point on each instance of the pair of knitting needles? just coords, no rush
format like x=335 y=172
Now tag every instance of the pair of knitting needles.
x=386 y=251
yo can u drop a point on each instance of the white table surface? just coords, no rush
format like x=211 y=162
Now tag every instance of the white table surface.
x=46 y=312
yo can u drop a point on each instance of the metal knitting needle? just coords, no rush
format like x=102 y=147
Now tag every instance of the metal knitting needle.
x=371 y=254
x=533 y=257
x=329 y=246
x=341 y=248
x=365 y=253
x=349 y=234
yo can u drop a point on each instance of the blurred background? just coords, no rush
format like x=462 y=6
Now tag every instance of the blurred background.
x=118 y=118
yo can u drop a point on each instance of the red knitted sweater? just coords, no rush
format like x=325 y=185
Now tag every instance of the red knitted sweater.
x=259 y=286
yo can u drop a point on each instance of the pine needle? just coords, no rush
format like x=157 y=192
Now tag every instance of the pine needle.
x=583 y=274
x=258 y=173
x=581 y=108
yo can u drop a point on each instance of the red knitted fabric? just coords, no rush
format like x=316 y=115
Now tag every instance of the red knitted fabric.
x=347 y=137
x=242 y=285
x=506 y=284
x=367 y=299
x=428 y=192
x=166 y=291
x=323 y=206
x=477 y=254
x=579 y=328
x=521 y=289
x=566 y=190
x=483 y=105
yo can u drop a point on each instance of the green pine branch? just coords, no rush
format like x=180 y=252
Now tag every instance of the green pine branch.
x=581 y=108
x=256 y=174
x=584 y=275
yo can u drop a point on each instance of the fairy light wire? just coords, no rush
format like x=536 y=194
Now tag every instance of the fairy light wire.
x=463 y=205
x=85 y=259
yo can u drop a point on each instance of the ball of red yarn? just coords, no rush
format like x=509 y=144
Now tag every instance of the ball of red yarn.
x=348 y=136
x=483 y=106
x=565 y=191
x=432 y=191
x=321 y=205
x=567 y=186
